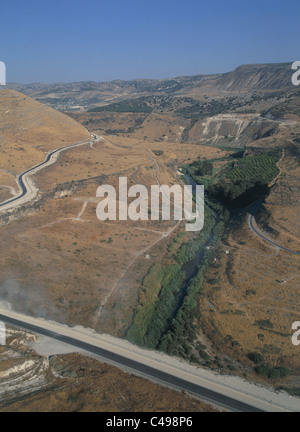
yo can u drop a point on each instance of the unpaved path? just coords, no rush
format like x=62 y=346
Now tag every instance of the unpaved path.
x=141 y=253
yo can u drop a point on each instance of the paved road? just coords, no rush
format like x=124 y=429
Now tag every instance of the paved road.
x=22 y=178
x=138 y=368
x=252 y=224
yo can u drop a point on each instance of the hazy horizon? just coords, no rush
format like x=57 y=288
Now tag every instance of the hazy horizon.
x=75 y=41
x=142 y=78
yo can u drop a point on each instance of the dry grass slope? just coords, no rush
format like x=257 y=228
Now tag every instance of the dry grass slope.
x=29 y=130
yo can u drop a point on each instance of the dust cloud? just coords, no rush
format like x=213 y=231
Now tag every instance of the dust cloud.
x=29 y=301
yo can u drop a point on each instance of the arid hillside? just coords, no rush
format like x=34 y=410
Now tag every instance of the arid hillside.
x=257 y=77
x=28 y=131
x=250 y=298
x=84 y=95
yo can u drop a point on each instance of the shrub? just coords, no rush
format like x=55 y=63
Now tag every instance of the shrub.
x=257 y=358
x=272 y=372
x=264 y=323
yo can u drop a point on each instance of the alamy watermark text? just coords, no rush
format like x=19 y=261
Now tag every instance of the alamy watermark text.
x=162 y=199
x=2 y=333
x=296 y=75
x=2 y=73
x=296 y=335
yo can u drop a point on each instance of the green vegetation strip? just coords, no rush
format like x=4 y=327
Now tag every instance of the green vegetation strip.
x=132 y=106
x=166 y=316
x=151 y=327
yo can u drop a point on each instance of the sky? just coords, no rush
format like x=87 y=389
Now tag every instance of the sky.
x=94 y=40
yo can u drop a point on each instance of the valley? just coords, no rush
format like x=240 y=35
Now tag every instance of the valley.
x=213 y=298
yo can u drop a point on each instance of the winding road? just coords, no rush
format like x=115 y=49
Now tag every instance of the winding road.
x=252 y=222
x=253 y=228
x=27 y=189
